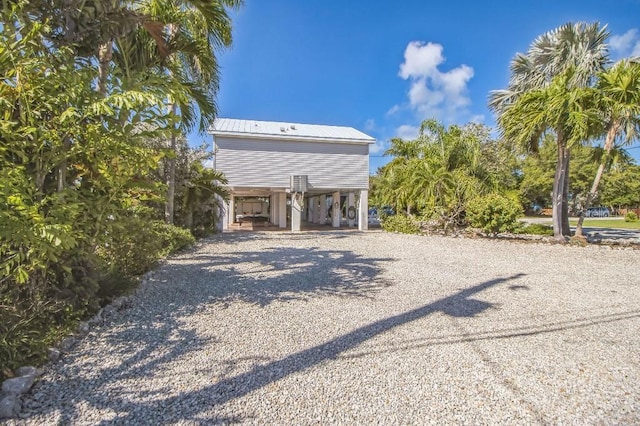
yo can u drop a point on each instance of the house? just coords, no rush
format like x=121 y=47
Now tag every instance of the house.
x=286 y=174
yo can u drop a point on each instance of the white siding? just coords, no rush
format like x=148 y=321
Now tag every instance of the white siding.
x=269 y=163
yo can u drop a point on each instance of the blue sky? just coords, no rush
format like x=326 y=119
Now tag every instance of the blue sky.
x=383 y=67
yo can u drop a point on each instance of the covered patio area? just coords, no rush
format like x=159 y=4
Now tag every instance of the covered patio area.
x=259 y=209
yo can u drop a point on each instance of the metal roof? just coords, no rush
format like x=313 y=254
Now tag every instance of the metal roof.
x=287 y=130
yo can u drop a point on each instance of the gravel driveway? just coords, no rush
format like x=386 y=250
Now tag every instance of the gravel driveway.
x=363 y=328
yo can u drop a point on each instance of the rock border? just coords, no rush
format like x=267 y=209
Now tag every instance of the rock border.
x=25 y=377
x=594 y=242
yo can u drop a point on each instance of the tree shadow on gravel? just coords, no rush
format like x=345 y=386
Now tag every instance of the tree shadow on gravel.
x=194 y=403
x=139 y=345
x=274 y=274
x=153 y=333
x=242 y=236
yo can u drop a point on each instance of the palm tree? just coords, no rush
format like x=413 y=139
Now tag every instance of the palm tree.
x=437 y=172
x=202 y=194
x=393 y=188
x=568 y=112
x=184 y=54
x=395 y=176
x=195 y=31
x=619 y=88
x=575 y=51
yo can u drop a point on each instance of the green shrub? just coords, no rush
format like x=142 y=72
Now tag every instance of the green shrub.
x=172 y=238
x=535 y=229
x=631 y=216
x=401 y=223
x=494 y=213
x=30 y=323
x=138 y=243
x=39 y=311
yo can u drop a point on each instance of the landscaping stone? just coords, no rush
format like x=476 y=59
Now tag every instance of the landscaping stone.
x=67 y=343
x=53 y=354
x=18 y=385
x=9 y=406
x=83 y=328
x=28 y=371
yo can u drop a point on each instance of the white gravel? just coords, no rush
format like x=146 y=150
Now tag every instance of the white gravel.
x=362 y=328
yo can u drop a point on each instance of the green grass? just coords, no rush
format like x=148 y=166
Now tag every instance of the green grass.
x=618 y=223
x=606 y=223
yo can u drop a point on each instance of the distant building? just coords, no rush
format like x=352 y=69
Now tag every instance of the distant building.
x=287 y=173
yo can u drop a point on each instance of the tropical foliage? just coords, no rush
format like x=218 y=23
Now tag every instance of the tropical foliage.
x=437 y=173
x=549 y=92
x=81 y=194
x=618 y=101
x=565 y=104
x=494 y=213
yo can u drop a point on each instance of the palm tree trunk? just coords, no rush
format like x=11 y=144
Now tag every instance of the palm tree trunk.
x=188 y=220
x=608 y=146
x=105 y=55
x=559 y=189
x=566 y=229
x=171 y=176
x=62 y=167
x=62 y=175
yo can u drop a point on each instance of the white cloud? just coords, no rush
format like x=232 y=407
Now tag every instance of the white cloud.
x=433 y=92
x=623 y=42
x=478 y=119
x=627 y=44
x=377 y=147
x=421 y=60
x=393 y=110
x=407 y=132
x=370 y=125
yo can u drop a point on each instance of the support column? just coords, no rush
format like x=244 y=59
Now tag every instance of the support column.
x=273 y=212
x=231 y=214
x=316 y=211
x=335 y=210
x=223 y=218
x=322 y=218
x=351 y=202
x=311 y=205
x=296 y=211
x=282 y=210
x=363 y=210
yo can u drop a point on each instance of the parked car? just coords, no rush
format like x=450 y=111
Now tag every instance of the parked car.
x=535 y=208
x=388 y=211
x=374 y=219
x=597 y=212
x=376 y=214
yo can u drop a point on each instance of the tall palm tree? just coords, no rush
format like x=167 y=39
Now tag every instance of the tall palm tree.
x=567 y=112
x=619 y=90
x=577 y=51
x=178 y=39
x=197 y=29
x=438 y=171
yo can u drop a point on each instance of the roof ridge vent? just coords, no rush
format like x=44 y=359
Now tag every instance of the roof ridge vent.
x=283 y=129
x=293 y=127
